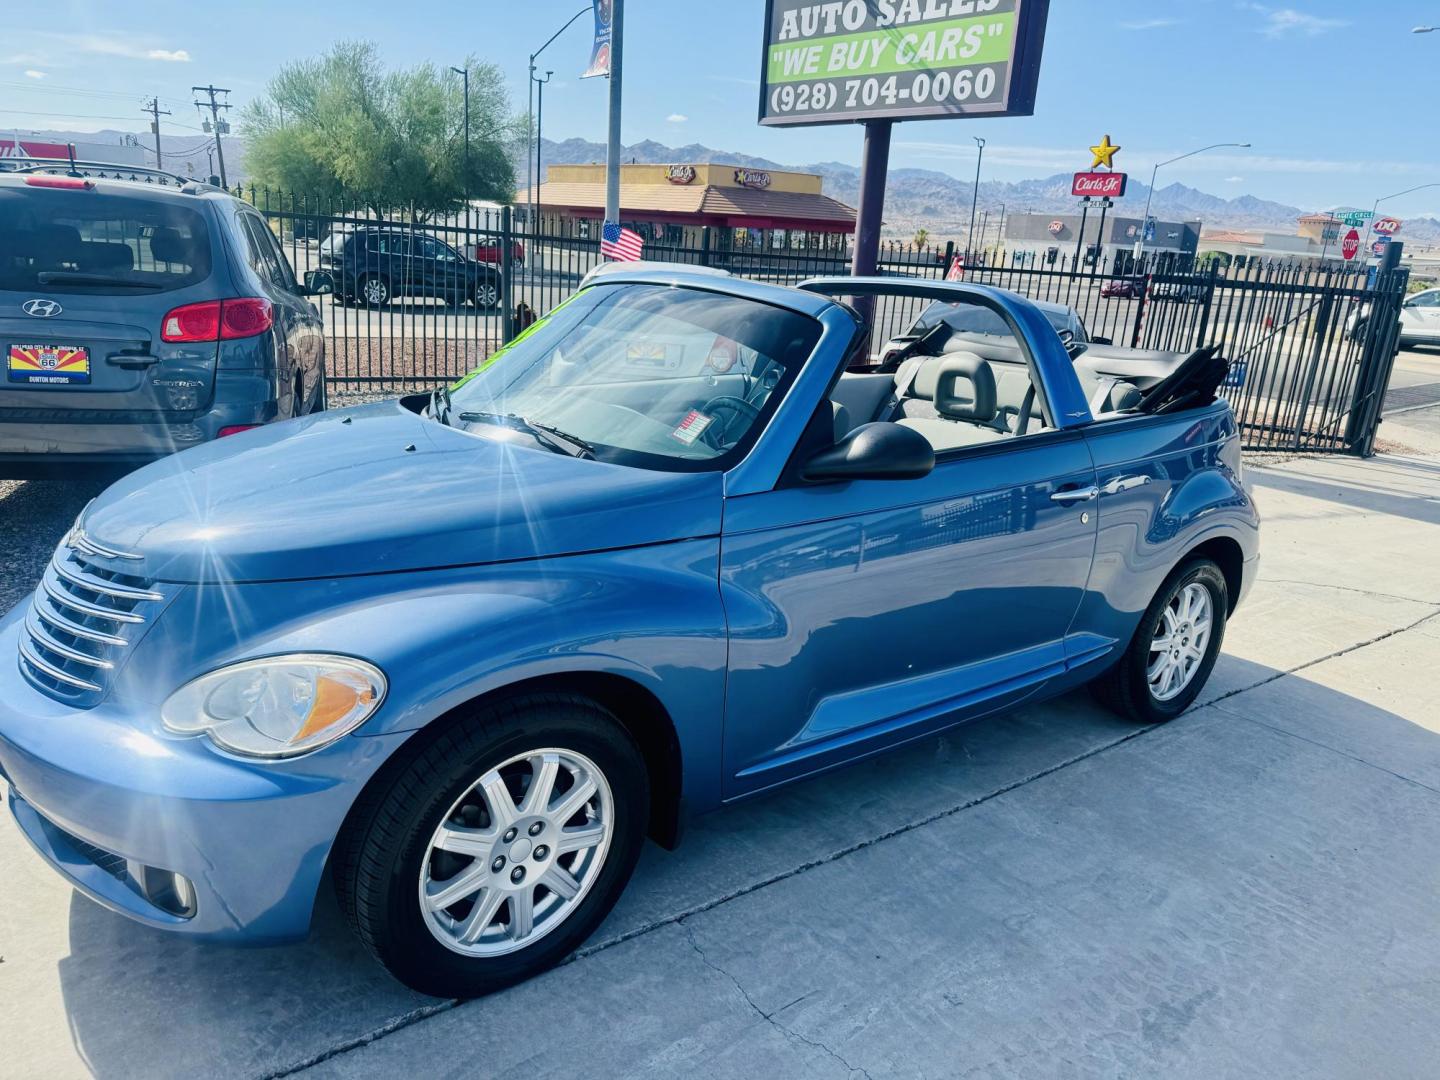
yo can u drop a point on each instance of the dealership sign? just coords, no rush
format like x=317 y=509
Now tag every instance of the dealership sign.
x=1387 y=226
x=828 y=62
x=1099 y=185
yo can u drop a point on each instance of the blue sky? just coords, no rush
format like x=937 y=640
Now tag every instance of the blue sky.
x=1337 y=97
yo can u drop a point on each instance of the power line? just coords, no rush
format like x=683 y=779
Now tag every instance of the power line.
x=87 y=116
x=79 y=91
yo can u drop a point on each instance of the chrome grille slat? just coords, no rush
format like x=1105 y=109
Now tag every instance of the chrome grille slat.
x=74 y=603
x=99 y=585
x=74 y=635
x=40 y=636
x=48 y=614
x=45 y=668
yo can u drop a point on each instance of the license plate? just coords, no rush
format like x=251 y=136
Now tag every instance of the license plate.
x=53 y=365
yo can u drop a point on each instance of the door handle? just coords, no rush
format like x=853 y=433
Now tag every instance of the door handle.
x=1123 y=483
x=1074 y=495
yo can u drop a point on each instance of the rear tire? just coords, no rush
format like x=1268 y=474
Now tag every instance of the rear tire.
x=486 y=295
x=1174 y=648
x=391 y=872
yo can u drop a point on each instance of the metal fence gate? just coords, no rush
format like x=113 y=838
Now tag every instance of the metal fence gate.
x=1311 y=347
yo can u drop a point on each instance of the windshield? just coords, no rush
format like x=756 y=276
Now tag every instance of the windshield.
x=974 y=319
x=648 y=375
x=86 y=241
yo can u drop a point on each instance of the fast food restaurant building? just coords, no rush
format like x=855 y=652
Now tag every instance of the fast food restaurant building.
x=673 y=205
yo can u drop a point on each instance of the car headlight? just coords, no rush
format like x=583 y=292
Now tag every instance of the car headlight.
x=279 y=706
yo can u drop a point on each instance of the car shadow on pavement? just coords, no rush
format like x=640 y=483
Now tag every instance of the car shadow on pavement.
x=139 y=1000
x=1376 y=493
x=34 y=515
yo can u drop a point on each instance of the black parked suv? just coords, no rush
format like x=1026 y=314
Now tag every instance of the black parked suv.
x=140 y=318
x=375 y=265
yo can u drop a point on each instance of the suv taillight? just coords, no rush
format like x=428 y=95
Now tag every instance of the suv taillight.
x=217 y=320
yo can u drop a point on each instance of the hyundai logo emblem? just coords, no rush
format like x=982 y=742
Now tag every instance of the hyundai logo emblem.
x=41 y=309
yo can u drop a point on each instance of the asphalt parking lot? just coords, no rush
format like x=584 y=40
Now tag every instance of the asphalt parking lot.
x=1248 y=891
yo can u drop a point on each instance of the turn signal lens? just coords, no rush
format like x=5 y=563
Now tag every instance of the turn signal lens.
x=218 y=320
x=277 y=707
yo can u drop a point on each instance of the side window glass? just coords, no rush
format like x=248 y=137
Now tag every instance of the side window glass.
x=286 y=280
x=264 y=258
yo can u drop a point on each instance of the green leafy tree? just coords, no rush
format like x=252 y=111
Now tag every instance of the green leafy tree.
x=922 y=238
x=343 y=126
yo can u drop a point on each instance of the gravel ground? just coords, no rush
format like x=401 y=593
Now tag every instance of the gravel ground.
x=34 y=515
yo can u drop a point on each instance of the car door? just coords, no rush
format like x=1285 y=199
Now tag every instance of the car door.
x=306 y=330
x=1420 y=317
x=294 y=318
x=866 y=613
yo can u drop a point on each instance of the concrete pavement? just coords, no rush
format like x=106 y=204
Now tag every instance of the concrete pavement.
x=1249 y=891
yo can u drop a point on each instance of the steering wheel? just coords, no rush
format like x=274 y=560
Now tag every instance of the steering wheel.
x=726 y=408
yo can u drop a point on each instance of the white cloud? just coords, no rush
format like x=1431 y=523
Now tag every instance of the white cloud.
x=1149 y=24
x=31 y=73
x=1234 y=179
x=1281 y=21
x=119 y=45
x=737 y=79
x=676 y=118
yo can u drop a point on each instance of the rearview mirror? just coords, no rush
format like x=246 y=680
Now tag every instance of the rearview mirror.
x=319 y=283
x=879 y=451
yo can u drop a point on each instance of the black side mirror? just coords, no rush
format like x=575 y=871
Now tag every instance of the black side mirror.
x=879 y=451
x=319 y=283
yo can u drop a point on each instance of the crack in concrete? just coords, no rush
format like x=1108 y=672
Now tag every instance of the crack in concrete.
x=1352 y=588
x=418 y=1015
x=769 y=1018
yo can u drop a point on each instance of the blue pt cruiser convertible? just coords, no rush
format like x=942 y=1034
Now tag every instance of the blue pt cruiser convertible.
x=685 y=539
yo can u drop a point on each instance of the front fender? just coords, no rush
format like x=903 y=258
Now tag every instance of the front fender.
x=443 y=637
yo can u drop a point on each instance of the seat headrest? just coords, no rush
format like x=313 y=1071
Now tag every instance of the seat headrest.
x=167 y=245
x=98 y=255
x=55 y=244
x=842 y=420
x=965 y=388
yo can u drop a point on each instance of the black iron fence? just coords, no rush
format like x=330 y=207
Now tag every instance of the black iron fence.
x=1311 y=346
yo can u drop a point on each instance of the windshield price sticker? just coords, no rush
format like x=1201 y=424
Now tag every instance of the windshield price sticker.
x=907 y=59
x=692 y=427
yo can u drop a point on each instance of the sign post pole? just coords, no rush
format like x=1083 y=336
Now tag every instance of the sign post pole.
x=874 y=165
x=1080 y=236
x=612 y=147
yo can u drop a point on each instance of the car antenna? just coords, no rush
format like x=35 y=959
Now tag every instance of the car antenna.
x=70 y=148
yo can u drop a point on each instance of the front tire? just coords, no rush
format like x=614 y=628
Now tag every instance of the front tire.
x=497 y=846
x=1174 y=648
x=374 y=291
x=486 y=296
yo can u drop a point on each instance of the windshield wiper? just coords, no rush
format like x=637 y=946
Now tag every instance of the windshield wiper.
x=548 y=436
x=73 y=277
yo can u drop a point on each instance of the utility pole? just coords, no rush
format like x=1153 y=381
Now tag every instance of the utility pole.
x=215 y=106
x=612 y=146
x=155 y=113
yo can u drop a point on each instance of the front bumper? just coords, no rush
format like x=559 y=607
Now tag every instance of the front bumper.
x=96 y=790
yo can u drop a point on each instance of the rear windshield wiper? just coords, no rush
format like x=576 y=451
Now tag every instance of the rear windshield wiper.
x=74 y=277
x=552 y=438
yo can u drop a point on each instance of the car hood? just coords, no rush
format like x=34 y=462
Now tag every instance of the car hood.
x=378 y=489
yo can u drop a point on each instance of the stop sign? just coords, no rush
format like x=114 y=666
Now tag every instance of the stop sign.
x=1351 y=244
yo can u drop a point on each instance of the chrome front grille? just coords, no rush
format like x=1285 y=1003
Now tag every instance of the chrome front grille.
x=85 y=615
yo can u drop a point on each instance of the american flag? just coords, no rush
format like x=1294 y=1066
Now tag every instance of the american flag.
x=622 y=245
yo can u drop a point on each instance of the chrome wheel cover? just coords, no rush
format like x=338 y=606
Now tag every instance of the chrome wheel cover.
x=487 y=296
x=1178 y=642
x=375 y=291
x=516 y=854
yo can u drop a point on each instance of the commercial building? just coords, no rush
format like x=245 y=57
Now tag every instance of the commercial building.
x=17 y=150
x=1048 y=238
x=674 y=204
x=1317 y=236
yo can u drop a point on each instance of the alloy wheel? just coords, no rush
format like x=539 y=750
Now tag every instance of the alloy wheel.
x=375 y=292
x=515 y=855
x=1177 y=647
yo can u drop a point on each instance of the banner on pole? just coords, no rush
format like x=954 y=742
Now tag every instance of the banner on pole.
x=600 y=51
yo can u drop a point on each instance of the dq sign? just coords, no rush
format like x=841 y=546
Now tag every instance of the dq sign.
x=1056 y=227
x=1387 y=226
x=1098 y=185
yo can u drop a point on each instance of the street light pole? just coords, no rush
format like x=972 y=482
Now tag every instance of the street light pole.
x=533 y=180
x=539 y=129
x=1145 y=221
x=612 y=142
x=1370 y=232
x=464 y=73
x=974 y=197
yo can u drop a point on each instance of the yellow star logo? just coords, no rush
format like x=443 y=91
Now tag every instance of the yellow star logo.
x=1104 y=154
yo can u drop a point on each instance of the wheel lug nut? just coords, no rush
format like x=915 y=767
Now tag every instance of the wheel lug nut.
x=498 y=864
x=517 y=875
x=509 y=834
x=537 y=828
x=541 y=851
